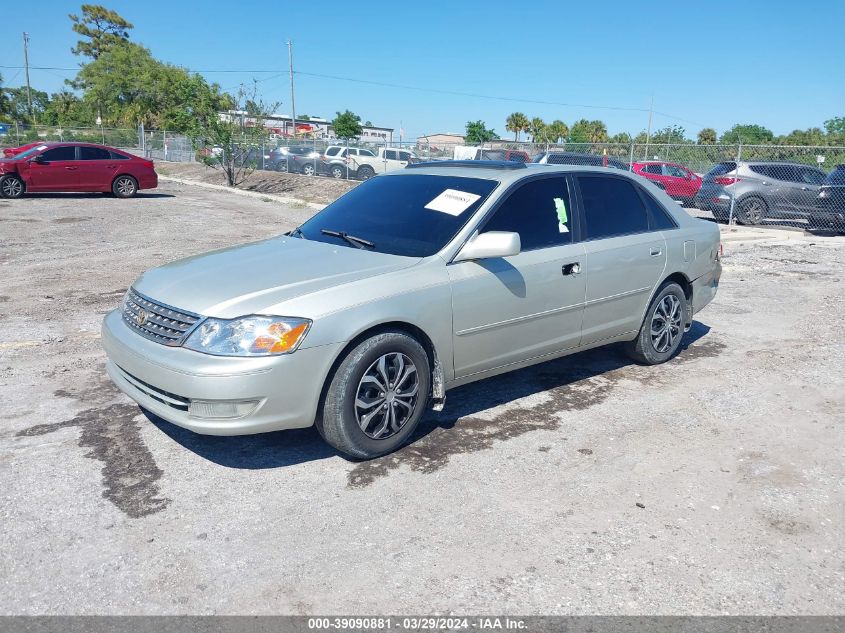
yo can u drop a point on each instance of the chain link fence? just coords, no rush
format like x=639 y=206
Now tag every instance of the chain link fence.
x=799 y=186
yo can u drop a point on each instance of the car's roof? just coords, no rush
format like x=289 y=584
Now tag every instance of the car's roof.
x=497 y=170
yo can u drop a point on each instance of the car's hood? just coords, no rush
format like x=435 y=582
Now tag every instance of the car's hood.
x=254 y=278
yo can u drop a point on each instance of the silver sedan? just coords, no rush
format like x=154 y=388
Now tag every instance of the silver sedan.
x=413 y=283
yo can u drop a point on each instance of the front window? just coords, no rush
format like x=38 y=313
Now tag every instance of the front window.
x=411 y=215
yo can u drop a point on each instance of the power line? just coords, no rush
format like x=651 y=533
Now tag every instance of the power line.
x=404 y=87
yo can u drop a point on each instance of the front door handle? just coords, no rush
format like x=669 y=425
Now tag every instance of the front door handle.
x=71 y=168
x=571 y=269
x=655 y=252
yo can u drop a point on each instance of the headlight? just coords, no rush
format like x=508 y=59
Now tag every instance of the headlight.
x=248 y=336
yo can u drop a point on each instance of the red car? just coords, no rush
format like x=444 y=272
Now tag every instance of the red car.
x=678 y=181
x=8 y=152
x=75 y=167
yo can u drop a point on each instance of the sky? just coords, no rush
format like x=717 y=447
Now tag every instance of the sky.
x=705 y=64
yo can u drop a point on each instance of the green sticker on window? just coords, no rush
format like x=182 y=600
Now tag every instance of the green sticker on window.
x=560 y=206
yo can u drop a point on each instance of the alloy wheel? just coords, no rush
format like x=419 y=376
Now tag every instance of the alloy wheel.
x=125 y=186
x=666 y=324
x=387 y=396
x=12 y=188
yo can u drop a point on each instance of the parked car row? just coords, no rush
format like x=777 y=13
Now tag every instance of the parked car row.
x=87 y=167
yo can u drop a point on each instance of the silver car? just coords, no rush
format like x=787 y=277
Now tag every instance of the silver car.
x=414 y=282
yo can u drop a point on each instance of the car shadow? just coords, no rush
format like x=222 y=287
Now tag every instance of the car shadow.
x=94 y=194
x=286 y=448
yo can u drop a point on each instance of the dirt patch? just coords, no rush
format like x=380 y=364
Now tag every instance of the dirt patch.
x=71 y=220
x=112 y=434
x=319 y=189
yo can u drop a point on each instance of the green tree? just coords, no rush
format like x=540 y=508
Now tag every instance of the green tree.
x=555 y=131
x=622 y=138
x=536 y=127
x=748 y=134
x=477 y=132
x=67 y=109
x=516 y=122
x=231 y=140
x=103 y=28
x=347 y=125
x=17 y=105
x=707 y=136
x=674 y=134
x=4 y=101
x=584 y=131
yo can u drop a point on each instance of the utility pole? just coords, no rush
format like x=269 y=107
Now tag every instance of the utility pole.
x=26 y=65
x=648 y=134
x=292 y=100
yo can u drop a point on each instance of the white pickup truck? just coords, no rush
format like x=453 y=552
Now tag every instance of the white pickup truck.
x=386 y=159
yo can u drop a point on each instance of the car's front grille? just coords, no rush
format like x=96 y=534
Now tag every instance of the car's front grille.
x=165 y=397
x=157 y=321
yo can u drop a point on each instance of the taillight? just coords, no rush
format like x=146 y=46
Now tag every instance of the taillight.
x=726 y=180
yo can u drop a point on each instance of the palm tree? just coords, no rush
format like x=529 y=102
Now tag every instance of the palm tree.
x=707 y=136
x=517 y=122
x=556 y=130
x=536 y=128
x=598 y=132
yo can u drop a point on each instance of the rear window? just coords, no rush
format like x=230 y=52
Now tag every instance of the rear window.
x=611 y=207
x=836 y=177
x=719 y=169
x=93 y=153
x=117 y=155
x=763 y=170
x=400 y=215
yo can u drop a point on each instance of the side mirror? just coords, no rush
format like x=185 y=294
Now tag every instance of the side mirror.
x=38 y=159
x=489 y=245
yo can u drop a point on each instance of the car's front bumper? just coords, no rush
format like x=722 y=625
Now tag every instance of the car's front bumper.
x=283 y=391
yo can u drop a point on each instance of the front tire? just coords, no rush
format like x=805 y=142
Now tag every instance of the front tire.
x=124 y=186
x=376 y=397
x=337 y=171
x=308 y=169
x=663 y=327
x=11 y=187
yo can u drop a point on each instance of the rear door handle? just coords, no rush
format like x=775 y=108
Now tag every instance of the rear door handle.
x=655 y=252
x=71 y=168
x=573 y=268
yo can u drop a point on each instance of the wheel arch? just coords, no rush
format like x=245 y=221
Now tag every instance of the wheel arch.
x=686 y=285
x=437 y=378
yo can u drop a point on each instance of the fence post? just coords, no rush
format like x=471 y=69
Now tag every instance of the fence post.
x=733 y=194
x=631 y=160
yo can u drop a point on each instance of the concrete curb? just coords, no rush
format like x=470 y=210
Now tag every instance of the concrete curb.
x=250 y=194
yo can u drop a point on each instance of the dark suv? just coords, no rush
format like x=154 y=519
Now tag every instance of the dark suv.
x=299 y=159
x=760 y=190
x=576 y=158
x=830 y=205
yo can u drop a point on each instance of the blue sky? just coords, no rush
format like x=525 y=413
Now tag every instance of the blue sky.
x=707 y=64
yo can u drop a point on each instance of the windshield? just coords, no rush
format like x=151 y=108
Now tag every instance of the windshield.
x=30 y=151
x=410 y=215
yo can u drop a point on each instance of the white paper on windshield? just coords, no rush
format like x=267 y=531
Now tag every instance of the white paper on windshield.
x=40 y=147
x=452 y=201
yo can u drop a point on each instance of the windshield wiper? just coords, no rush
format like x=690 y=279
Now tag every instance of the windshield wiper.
x=355 y=241
x=297 y=232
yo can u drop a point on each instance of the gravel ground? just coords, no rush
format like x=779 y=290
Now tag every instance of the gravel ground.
x=709 y=485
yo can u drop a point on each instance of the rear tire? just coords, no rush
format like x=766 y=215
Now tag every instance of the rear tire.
x=751 y=210
x=11 y=186
x=337 y=171
x=663 y=327
x=124 y=186
x=376 y=397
